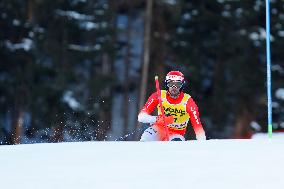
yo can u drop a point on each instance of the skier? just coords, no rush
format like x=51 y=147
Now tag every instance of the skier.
x=179 y=108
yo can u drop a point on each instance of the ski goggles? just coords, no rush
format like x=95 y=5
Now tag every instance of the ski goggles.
x=174 y=84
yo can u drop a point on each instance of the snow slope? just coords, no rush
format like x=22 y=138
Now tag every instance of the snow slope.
x=217 y=164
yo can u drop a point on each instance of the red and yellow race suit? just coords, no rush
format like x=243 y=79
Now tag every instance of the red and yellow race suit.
x=182 y=109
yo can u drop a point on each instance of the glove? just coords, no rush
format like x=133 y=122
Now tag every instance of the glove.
x=168 y=120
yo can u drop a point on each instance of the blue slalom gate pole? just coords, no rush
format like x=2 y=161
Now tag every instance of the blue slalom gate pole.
x=268 y=60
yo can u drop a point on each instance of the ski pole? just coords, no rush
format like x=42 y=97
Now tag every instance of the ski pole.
x=161 y=106
x=268 y=67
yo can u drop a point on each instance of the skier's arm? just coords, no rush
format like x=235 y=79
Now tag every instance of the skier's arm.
x=144 y=115
x=192 y=109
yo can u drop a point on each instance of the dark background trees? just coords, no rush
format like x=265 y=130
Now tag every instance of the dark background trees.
x=71 y=70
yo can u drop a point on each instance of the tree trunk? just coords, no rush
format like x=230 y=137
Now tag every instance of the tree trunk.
x=242 y=126
x=30 y=11
x=58 y=132
x=17 y=126
x=105 y=113
x=125 y=102
x=20 y=101
x=146 y=53
x=160 y=42
x=217 y=106
x=19 y=107
x=63 y=69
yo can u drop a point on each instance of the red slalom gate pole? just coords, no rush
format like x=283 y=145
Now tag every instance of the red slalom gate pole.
x=161 y=106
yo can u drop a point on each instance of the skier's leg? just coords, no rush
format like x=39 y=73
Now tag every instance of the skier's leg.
x=154 y=133
x=150 y=134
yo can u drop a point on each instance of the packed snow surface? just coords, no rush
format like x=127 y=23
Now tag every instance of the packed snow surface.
x=211 y=164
